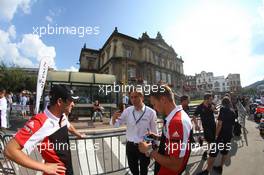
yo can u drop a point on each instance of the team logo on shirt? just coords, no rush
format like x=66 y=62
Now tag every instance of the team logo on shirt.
x=31 y=124
x=175 y=134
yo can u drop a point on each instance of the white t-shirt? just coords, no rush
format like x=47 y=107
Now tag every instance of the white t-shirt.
x=262 y=100
x=3 y=108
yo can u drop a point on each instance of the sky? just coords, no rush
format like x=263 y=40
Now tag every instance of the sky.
x=219 y=36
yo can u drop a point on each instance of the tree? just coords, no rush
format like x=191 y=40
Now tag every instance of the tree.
x=15 y=80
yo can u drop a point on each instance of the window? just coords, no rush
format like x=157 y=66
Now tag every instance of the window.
x=128 y=53
x=108 y=52
x=216 y=84
x=91 y=64
x=157 y=76
x=156 y=59
x=164 y=77
x=181 y=69
x=177 y=68
x=131 y=72
x=169 y=78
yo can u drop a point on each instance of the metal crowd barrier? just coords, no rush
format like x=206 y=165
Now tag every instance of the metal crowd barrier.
x=242 y=114
x=103 y=154
x=94 y=154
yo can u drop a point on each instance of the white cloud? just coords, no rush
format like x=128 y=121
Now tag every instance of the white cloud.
x=9 y=52
x=33 y=47
x=53 y=14
x=12 y=31
x=8 y=8
x=26 y=53
x=49 y=19
x=72 y=69
x=216 y=37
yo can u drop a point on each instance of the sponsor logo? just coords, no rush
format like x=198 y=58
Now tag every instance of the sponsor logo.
x=31 y=124
x=175 y=134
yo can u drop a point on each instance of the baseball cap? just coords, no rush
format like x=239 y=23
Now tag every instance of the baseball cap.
x=61 y=91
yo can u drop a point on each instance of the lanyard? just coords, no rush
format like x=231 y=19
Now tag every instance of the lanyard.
x=140 y=116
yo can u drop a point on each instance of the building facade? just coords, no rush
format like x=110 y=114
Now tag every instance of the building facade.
x=204 y=81
x=190 y=83
x=144 y=60
x=234 y=83
x=207 y=82
x=220 y=84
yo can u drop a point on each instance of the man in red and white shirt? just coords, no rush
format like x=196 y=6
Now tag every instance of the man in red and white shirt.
x=48 y=131
x=174 y=149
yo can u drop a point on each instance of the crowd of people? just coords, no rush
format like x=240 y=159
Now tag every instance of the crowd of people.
x=177 y=130
x=170 y=149
x=24 y=100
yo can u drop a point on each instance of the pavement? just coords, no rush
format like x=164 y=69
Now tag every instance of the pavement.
x=245 y=158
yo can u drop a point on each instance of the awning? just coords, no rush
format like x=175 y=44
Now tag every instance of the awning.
x=79 y=78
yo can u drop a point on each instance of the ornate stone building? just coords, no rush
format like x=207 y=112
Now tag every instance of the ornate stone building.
x=204 y=81
x=234 y=82
x=207 y=82
x=144 y=60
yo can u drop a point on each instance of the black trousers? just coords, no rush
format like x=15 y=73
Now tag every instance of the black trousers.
x=136 y=158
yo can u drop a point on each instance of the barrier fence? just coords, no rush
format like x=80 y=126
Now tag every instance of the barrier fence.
x=94 y=154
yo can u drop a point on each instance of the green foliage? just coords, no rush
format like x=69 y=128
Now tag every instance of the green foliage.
x=16 y=80
x=249 y=91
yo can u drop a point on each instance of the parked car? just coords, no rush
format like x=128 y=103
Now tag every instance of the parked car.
x=258 y=101
x=252 y=108
x=259 y=114
x=261 y=126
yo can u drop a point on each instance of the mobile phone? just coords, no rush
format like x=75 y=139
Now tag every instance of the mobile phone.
x=149 y=138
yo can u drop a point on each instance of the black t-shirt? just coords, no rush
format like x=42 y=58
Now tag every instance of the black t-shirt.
x=186 y=109
x=227 y=116
x=207 y=116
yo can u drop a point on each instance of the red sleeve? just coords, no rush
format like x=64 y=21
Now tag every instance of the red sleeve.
x=176 y=137
x=29 y=129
